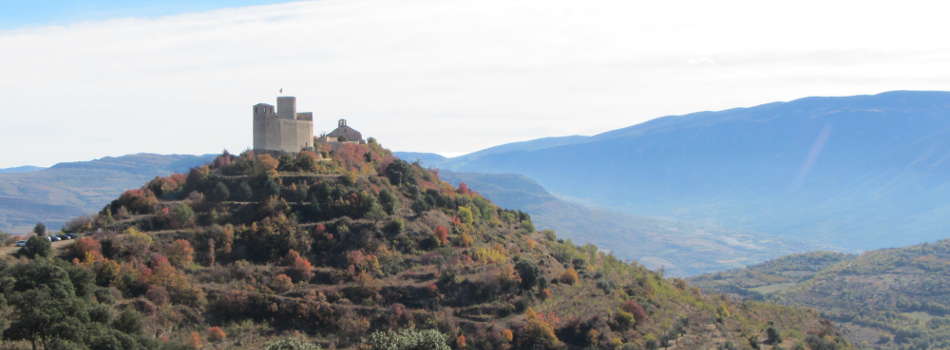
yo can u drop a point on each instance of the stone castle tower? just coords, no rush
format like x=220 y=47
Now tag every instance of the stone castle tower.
x=283 y=131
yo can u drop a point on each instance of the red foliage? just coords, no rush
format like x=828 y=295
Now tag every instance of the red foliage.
x=299 y=267
x=636 y=309
x=351 y=155
x=442 y=233
x=141 y=201
x=463 y=189
x=86 y=245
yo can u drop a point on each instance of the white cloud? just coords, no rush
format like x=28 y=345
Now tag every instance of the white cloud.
x=444 y=75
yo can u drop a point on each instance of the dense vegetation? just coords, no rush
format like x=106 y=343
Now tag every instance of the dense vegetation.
x=885 y=299
x=349 y=247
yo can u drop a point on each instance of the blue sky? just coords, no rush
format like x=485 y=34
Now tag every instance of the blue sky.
x=447 y=76
x=29 y=13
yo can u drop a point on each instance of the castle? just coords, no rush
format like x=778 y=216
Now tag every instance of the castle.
x=284 y=131
x=289 y=131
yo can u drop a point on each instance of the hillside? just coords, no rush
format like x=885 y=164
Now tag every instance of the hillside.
x=67 y=190
x=679 y=248
x=336 y=247
x=885 y=299
x=843 y=172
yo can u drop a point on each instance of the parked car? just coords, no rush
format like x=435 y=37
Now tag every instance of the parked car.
x=62 y=237
x=21 y=243
x=52 y=238
x=71 y=235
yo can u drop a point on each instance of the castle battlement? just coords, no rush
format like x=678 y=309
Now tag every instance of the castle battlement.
x=283 y=130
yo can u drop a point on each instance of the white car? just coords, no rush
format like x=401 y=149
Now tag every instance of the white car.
x=21 y=243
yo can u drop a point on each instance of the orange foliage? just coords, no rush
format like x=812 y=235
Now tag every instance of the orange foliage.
x=267 y=163
x=442 y=233
x=507 y=335
x=299 y=267
x=460 y=342
x=216 y=334
x=569 y=276
x=195 y=341
x=180 y=253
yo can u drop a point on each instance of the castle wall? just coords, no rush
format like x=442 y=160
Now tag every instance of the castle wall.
x=286 y=107
x=274 y=132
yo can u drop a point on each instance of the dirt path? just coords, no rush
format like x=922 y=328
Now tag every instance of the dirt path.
x=57 y=247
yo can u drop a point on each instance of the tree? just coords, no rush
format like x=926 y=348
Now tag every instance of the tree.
x=442 y=234
x=220 y=192
x=529 y=274
x=182 y=215
x=180 y=253
x=39 y=229
x=36 y=246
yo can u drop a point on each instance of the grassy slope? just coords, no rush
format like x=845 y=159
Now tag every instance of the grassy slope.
x=887 y=299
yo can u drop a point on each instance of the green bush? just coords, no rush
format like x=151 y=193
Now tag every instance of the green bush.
x=408 y=339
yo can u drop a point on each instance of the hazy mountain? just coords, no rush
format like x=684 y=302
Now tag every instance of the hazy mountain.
x=680 y=248
x=850 y=171
x=886 y=299
x=424 y=158
x=67 y=190
x=20 y=169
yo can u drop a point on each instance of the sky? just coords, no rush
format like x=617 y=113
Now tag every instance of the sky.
x=85 y=79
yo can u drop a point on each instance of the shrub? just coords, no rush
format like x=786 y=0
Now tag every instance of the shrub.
x=180 y=253
x=216 y=334
x=408 y=339
x=85 y=245
x=282 y=283
x=36 y=246
x=569 y=276
x=290 y=344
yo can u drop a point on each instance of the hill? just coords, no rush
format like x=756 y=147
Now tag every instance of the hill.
x=20 y=169
x=845 y=172
x=679 y=248
x=67 y=190
x=350 y=247
x=885 y=299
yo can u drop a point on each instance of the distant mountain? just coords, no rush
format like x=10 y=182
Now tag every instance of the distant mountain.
x=427 y=159
x=679 y=248
x=846 y=171
x=886 y=299
x=67 y=190
x=20 y=169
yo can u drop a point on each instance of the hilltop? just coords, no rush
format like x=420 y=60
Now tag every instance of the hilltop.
x=885 y=299
x=331 y=247
x=840 y=172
